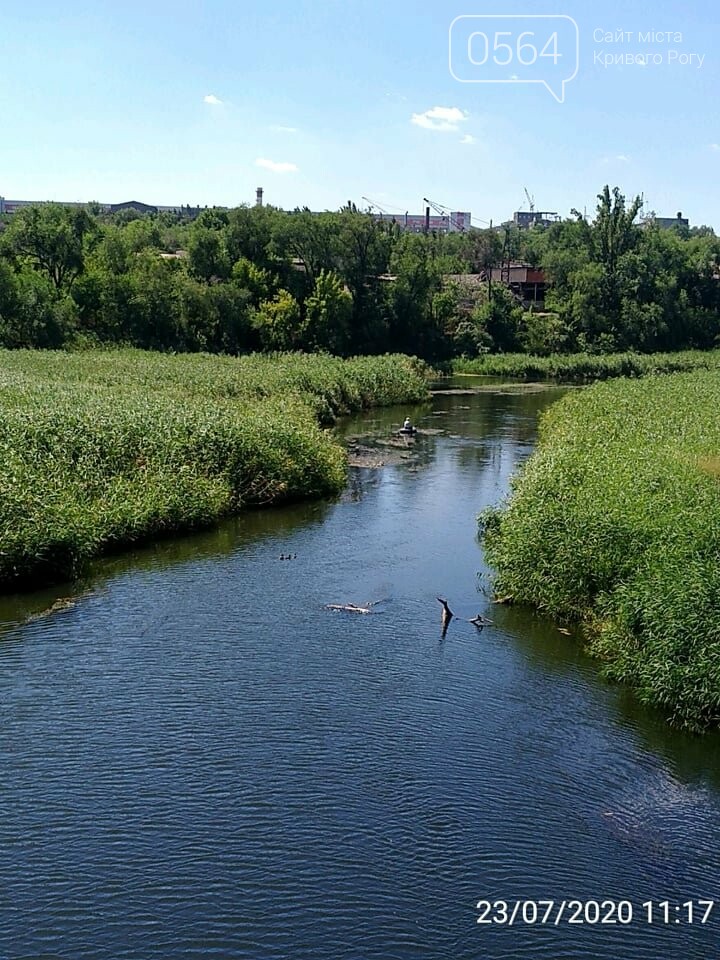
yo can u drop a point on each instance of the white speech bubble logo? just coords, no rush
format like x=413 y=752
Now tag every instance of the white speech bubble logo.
x=481 y=51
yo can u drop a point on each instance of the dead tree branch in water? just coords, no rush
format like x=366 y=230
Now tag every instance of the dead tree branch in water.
x=446 y=616
x=347 y=607
x=479 y=621
x=354 y=607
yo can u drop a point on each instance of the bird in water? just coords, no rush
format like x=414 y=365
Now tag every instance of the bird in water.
x=282 y=556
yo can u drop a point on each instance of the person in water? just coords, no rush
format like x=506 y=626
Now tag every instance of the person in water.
x=407 y=425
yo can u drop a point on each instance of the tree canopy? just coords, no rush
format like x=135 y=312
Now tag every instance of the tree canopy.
x=259 y=278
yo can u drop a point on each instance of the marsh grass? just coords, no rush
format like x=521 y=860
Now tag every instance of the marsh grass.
x=615 y=520
x=582 y=367
x=103 y=449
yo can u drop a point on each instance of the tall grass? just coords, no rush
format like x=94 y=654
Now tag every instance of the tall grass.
x=616 y=519
x=103 y=449
x=581 y=367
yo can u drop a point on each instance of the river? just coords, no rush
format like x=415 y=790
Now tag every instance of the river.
x=199 y=760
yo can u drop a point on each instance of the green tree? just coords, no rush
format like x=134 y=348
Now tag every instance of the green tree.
x=415 y=328
x=51 y=237
x=308 y=239
x=258 y=282
x=614 y=234
x=207 y=254
x=277 y=323
x=328 y=313
x=364 y=248
x=32 y=313
x=486 y=254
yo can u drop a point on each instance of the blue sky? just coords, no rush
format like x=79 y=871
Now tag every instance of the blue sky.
x=324 y=101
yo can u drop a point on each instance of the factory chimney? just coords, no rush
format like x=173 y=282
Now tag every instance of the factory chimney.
x=258 y=197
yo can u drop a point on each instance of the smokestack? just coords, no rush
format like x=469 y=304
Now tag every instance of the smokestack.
x=427 y=219
x=258 y=197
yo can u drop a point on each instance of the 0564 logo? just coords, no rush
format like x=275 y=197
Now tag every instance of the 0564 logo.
x=515 y=48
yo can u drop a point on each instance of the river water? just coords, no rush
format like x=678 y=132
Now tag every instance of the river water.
x=198 y=759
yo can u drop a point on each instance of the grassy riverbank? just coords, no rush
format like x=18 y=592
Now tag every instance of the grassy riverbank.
x=574 y=367
x=616 y=519
x=103 y=449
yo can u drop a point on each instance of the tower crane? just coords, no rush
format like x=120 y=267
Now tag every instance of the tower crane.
x=373 y=205
x=445 y=212
x=531 y=200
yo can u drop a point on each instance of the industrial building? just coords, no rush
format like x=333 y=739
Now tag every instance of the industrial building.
x=9 y=207
x=526 y=283
x=666 y=223
x=530 y=218
x=452 y=222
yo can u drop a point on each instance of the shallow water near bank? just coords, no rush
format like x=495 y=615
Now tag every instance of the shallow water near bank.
x=199 y=760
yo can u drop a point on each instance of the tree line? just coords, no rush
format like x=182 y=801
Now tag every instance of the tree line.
x=259 y=278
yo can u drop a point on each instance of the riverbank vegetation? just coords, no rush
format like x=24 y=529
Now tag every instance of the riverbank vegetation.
x=615 y=520
x=262 y=279
x=580 y=367
x=106 y=448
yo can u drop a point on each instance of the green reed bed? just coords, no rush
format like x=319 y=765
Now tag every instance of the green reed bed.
x=615 y=519
x=108 y=448
x=580 y=367
x=332 y=385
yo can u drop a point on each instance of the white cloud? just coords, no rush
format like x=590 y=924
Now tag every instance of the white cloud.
x=212 y=100
x=274 y=166
x=715 y=147
x=439 y=118
x=618 y=158
x=468 y=138
x=279 y=128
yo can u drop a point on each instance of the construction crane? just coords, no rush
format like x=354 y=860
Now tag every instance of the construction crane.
x=373 y=205
x=531 y=200
x=445 y=212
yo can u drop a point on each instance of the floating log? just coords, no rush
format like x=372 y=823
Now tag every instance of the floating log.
x=347 y=607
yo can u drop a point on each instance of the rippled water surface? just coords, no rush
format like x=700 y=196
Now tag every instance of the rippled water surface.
x=199 y=760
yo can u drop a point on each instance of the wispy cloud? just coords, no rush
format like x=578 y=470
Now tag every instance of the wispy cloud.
x=212 y=100
x=275 y=166
x=715 y=147
x=468 y=138
x=618 y=158
x=279 y=128
x=439 y=118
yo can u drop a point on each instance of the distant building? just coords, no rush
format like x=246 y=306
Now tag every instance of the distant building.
x=526 y=283
x=454 y=222
x=666 y=223
x=12 y=206
x=132 y=205
x=530 y=218
x=8 y=207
